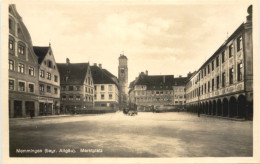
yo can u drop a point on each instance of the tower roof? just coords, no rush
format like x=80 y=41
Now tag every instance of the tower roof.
x=122 y=56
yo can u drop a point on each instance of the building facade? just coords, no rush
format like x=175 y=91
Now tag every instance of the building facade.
x=77 y=87
x=105 y=88
x=179 y=91
x=155 y=92
x=223 y=86
x=123 y=81
x=49 y=81
x=151 y=92
x=23 y=69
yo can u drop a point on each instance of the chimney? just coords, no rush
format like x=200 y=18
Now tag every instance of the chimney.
x=95 y=64
x=146 y=72
x=249 y=11
x=100 y=66
x=179 y=75
x=163 y=79
x=189 y=74
x=67 y=61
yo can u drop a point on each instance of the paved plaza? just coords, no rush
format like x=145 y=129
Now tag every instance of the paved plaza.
x=176 y=134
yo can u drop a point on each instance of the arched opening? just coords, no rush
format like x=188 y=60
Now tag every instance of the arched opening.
x=225 y=107
x=214 y=111
x=210 y=107
x=207 y=108
x=241 y=106
x=203 y=107
x=219 y=108
x=232 y=107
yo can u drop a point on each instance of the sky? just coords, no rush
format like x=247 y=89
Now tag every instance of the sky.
x=171 y=38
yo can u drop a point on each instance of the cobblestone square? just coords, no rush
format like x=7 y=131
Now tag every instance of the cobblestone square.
x=175 y=134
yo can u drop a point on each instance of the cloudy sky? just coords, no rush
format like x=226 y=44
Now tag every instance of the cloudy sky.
x=167 y=38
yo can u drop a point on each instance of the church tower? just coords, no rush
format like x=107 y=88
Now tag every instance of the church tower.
x=123 y=81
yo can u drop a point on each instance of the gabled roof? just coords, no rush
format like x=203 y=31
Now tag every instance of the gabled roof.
x=76 y=73
x=40 y=52
x=102 y=76
x=109 y=73
x=180 y=81
x=157 y=82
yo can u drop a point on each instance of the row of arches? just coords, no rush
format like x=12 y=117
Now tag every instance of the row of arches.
x=236 y=107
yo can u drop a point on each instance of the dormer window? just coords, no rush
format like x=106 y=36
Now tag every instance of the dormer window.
x=19 y=30
x=50 y=53
x=49 y=64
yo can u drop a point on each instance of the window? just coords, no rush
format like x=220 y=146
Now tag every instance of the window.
x=212 y=64
x=10 y=24
x=231 y=50
x=41 y=87
x=70 y=97
x=231 y=72
x=122 y=70
x=48 y=89
x=21 y=86
x=21 y=68
x=88 y=80
x=77 y=88
x=21 y=49
x=223 y=79
x=110 y=96
x=95 y=87
x=11 y=44
x=91 y=91
x=42 y=73
x=110 y=87
x=102 y=87
x=11 y=65
x=208 y=69
x=63 y=98
x=31 y=71
x=95 y=96
x=55 y=78
x=208 y=86
x=217 y=82
x=70 y=88
x=212 y=84
x=205 y=87
x=48 y=75
x=11 y=84
x=201 y=90
x=217 y=61
x=176 y=102
x=239 y=43
x=77 y=97
x=55 y=91
x=223 y=56
x=102 y=96
x=49 y=64
x=31 y=88
x=239 y=71
x=63 y=88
